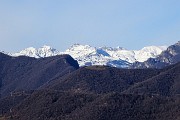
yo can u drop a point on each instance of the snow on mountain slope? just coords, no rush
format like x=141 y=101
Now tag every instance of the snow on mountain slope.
x=148 y=52
x=168 y=57
x=135 y=55
x=44 y=51
x=87 y=55
x=7 y=53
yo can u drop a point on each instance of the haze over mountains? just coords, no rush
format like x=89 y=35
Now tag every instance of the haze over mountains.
x=87 y=55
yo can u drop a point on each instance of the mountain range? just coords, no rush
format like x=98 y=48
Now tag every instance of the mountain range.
x=55 y=88
x=58 y=88
x=87 y=55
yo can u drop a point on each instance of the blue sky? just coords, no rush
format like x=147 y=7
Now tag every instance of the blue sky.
x=131 y=24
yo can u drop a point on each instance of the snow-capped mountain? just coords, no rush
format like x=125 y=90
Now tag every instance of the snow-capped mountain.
x=7 y=53
x=136 y=55
x=170 y=56
x=44 y=51
x=87 y=55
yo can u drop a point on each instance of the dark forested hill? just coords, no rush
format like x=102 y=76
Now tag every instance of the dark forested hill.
x=53 y=105
x=101 y=79
x=166 y=83
x=26 y=73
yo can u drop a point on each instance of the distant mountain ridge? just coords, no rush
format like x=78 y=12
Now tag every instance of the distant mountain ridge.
x=167 y=57
x=87 y=55
x=44 y=51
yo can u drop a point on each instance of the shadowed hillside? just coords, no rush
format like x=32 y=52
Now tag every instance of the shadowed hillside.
x=166 y=83
x=48 y=104
x=129 y=107
x=101 y=79
x=53 y=105
x=26 y=73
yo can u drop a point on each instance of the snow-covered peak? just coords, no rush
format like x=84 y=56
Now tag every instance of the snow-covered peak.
x=7 y=53
x=78 y=50
x=29 y=49
x=154 y=49
x=46 y=47
x=111 y=48
x=88 y=55
x=79 y=47
x=31 y=52
x=135 y=55
x=44 y=51
x=148 y=52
